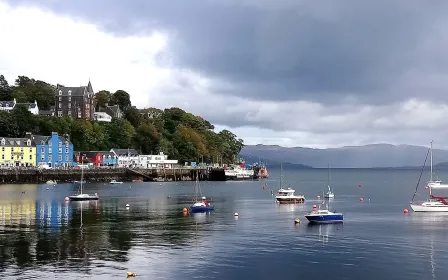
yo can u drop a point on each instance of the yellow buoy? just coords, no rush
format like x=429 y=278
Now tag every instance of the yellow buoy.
x=131 y=274
x=297 y=221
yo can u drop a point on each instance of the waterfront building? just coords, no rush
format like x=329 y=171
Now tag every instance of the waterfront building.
x=156 y=161
x=109 y=159
x=126 y=157
x=17 y=152
x=54 y=150
x=96 y=158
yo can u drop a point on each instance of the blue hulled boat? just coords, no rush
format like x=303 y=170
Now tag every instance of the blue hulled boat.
x=201 y=206
x=322 y=216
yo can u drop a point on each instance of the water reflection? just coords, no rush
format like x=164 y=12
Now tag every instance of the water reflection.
x=290 y=207
x=325 y=231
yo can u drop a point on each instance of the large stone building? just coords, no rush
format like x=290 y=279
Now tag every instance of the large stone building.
x=76 y=102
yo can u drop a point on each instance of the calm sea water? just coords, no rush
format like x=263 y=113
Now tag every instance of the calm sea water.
x=42 y=237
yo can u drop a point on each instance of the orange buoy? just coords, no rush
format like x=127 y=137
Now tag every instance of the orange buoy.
x=66 y=198
x=405 y=211
x=361 y=199
x=314 y=207
x=185 y=210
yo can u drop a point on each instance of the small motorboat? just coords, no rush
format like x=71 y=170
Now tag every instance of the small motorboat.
x=324 y=216
x=287 y=196
x=201 y=206
x=84 y=197
x=79 y=182
x=115 y=182
x=51 y=182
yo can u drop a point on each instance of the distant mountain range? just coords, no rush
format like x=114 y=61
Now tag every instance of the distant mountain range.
x=367 y=156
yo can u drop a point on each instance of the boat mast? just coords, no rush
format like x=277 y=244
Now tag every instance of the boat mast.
x=281 y=174
x=329 y=178
x=82 y=170
x=430 y=177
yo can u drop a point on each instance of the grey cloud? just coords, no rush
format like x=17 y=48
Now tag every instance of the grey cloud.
x=325 y=52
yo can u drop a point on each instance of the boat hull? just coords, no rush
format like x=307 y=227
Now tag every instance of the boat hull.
x=201 y=209
x=420 y=208
x=84 y=198
x=290 y=200
x=325 y=219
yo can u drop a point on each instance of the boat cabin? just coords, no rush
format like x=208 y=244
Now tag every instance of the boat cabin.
x=287 y=192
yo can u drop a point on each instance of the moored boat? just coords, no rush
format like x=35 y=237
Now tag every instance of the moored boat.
x=202 y=205
x=83 y=196
x=322 y=216
x=115 y=182
x=285 y=196
x=433 y=203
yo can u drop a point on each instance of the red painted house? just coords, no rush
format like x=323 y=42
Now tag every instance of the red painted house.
x=94 y=157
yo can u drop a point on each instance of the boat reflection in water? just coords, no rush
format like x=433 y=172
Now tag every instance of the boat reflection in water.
x=290 y=207
x=325 y=231
x=201 y=218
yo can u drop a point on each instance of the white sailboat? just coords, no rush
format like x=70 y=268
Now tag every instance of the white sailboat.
x=83 y=196
x=434 y=203
x=329 y=193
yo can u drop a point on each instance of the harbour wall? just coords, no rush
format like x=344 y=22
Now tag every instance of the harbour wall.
x=34 y=175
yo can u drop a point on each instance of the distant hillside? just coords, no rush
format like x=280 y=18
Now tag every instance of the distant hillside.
x=368 y=156
x=271 y=163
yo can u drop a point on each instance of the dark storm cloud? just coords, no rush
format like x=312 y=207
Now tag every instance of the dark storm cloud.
x=321 y=51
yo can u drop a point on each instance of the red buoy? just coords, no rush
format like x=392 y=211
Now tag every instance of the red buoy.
x=264 y=187
x=314 y=207
x=361 y=199
x=405 y=211
x=360 y=185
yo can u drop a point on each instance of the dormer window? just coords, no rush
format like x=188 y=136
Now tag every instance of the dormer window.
x=18 y=143
x=42 y=142
x=28 y=142
x=3 y=141
x=69 y=92
x=60 y=92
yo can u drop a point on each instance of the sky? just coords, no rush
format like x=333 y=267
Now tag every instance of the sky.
x=288 y=72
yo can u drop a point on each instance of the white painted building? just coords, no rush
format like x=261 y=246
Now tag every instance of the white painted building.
x=156 y=161
x=9 y=105
x=127 y=158
x=102 y=117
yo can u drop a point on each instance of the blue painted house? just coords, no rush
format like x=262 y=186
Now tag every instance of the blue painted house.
x=54 y=150
x=109 y=159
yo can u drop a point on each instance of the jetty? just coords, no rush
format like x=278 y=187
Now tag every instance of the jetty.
x=37 y=175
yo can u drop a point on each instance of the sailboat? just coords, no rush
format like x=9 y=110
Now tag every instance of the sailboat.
x=288 y=195
x=324 y=216
x=83 y=196
x=200 y=206
x=329 y=193
x=434 y=203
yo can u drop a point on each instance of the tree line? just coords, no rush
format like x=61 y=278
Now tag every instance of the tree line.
x=179 y=134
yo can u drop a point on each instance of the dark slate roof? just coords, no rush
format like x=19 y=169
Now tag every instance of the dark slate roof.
x=9 y=142
x=28 y=105
x=125 y=152
x=75 y=91
x=110 y=110
x=8 y=104
x=40 y=138
x=87 y=153
x=107 y=154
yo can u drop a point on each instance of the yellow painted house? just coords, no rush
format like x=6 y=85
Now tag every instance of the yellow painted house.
x=17 y=152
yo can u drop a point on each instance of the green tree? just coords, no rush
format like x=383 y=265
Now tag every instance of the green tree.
x=132 y=114
x=22 y=121
x=5 y=89
x=147 y=138
x=102 y=98
x=121 y=133
x=122 y=99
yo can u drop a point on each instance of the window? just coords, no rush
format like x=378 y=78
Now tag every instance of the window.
x=42 y=158
x=79 y=114
x=49 y=144
x=3 y=141
x=60 y=98
x=3 y=156
x=66 y=158
x=59 y=113
x=69 y=98
x=60 y=105
x=66 y=150
x=12 y=156
x=42 y=150
x=60 y=144
x=31 y=150
x=60 y=150
x=69 y=92
x=60 y=92
x=31 y=157
x=49 y=158
x=3 y=149
x=69 y=105
x=60 y=158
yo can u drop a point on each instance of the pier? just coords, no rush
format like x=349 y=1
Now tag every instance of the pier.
x=35 y=175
